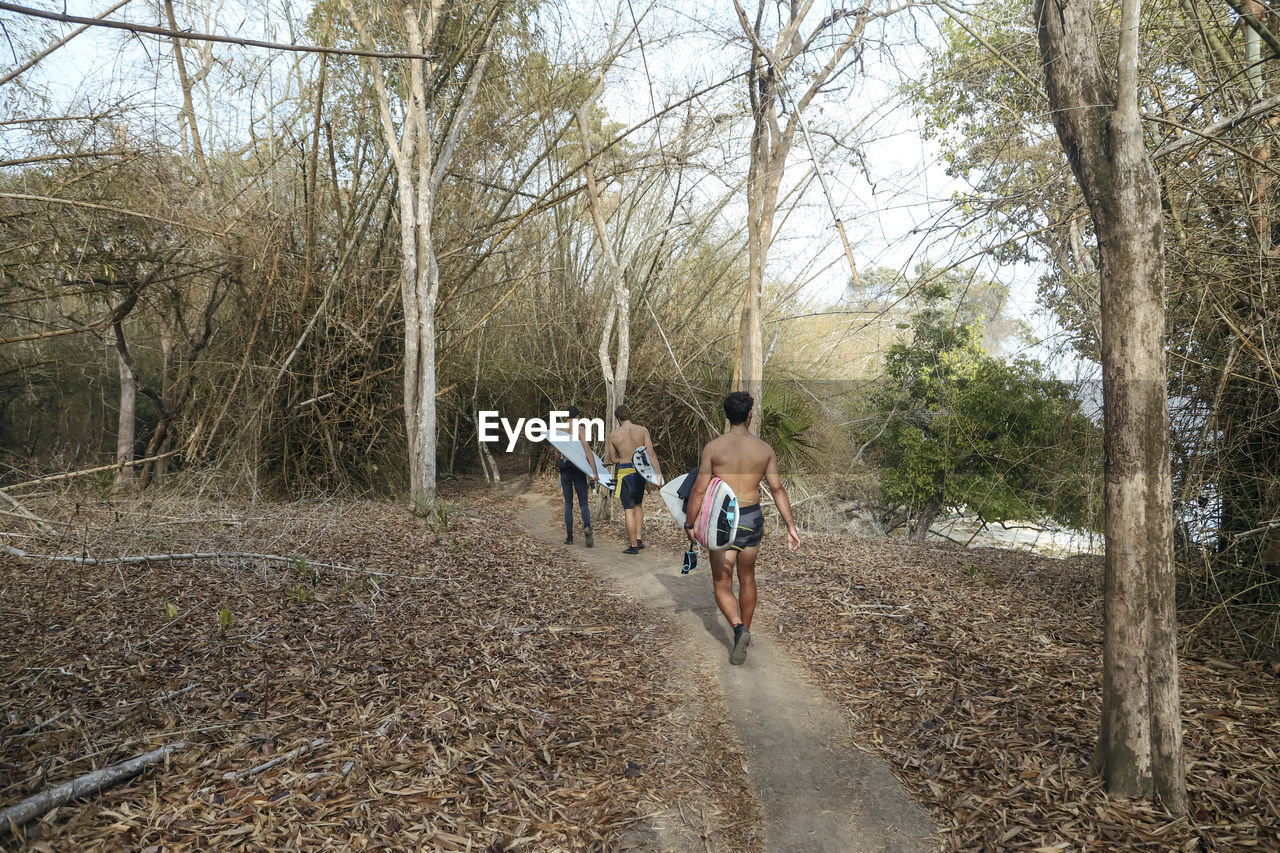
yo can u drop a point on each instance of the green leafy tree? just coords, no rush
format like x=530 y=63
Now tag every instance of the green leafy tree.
x=958 y=428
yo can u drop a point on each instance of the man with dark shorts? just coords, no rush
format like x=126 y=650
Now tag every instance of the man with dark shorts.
x=623 y=443
x=573 y=480
x=742 y=461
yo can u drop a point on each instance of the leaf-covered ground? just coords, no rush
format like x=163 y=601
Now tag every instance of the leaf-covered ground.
x=976 y=674
x=485 y=690
x=471 y=688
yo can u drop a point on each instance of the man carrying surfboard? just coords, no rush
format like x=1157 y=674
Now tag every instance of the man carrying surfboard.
x=573 y=479
x=625 y=444
x=742 y=461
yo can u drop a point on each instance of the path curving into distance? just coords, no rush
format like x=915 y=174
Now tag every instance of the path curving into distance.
x=819 y=792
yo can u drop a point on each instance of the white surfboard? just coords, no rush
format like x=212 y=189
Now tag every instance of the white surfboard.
x=640 y=459
x=572 y=450
x=669 y=497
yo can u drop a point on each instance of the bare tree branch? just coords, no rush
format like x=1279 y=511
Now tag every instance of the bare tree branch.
x=161 y=31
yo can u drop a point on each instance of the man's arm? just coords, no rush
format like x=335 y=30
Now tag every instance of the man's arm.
x=781 y=501
x=591 y=457
x=698 y=492
x=581 y=435
x=653 y=456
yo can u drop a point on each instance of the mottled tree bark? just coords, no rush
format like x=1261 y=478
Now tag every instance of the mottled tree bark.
x=1140 y=743
x=771 y=141
x=619 y=314
x=127 y=421
x=421 y=162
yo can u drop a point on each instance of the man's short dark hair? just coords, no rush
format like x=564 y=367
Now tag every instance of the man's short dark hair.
x=623 y=412
x=573 y=411
x=738 y=406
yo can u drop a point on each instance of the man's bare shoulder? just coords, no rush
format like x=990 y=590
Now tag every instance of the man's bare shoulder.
x=756 y=448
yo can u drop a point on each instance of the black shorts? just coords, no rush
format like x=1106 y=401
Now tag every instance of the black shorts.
x=631 y=491
x=750 y=527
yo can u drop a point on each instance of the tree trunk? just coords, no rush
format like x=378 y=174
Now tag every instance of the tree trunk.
x=421 y=165
x=188 y=105
x=1140 y=743
x=419 y=285
x=920 y=529
x=771 y=142
x=168 y=391
x=487 y=463
x=619 y=313
x=125 y=427
x=761 y=203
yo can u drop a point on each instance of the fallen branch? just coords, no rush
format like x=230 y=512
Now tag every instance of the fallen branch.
x=218 y=555
x=32 y=807
x=40 y=523
x=23 y=512
x=564 y=629
x=87 y=471
x=162 y=558
x=351 y=765
x=279 y=759
x=878 y=609
x=38 y=726
x=172 y=694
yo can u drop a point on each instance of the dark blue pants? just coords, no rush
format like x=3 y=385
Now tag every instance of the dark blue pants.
x=572 y=480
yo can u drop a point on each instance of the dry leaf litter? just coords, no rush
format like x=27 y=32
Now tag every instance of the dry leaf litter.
x=465 y=687
x=976 y=675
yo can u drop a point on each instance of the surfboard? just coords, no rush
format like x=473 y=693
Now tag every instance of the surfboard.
x=717 y=523
x=640 y=459
x=572 y=450
x=673 y=501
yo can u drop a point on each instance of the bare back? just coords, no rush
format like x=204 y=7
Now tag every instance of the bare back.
x=741 y=460
x=624 y=440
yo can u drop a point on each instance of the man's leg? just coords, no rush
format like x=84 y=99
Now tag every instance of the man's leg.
x=566 y=487
x=722 y=563
x=722 y=566
x=747 y=583
x=584 y=505
x=633 y=525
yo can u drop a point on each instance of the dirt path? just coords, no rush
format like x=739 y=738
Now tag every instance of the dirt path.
x=819 y=791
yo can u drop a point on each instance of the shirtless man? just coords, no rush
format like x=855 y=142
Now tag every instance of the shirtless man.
x=741 y=460
x=623 y=442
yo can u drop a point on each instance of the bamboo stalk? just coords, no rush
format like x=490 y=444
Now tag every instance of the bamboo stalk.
x=35 y=60
x=21 y=511
x=87 y=471
x=192 y=36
